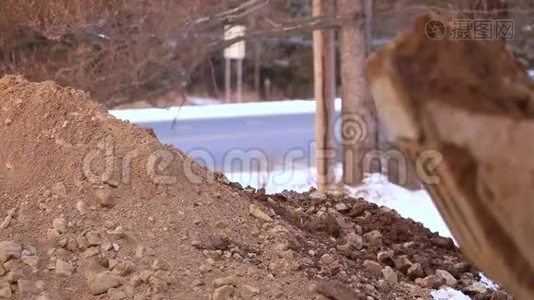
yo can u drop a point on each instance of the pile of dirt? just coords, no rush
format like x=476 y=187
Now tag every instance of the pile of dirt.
x=95 y=208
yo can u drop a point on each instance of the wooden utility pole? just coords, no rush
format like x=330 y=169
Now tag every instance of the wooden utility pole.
x=325 y=92
x=359 y=126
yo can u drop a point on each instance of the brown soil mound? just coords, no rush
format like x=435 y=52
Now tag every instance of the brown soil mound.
x=95 y=208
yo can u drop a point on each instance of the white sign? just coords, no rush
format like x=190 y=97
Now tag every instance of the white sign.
x=237 y=50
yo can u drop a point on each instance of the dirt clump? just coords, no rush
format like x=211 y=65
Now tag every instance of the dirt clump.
x=95 y=208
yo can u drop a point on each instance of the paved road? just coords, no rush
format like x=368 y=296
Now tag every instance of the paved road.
x=222 y=136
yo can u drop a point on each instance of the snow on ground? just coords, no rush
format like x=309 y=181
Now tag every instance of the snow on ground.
x=218 y=111
x=416 y=205
x=448 y=293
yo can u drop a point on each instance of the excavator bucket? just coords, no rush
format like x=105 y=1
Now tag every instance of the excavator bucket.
x=470 y=102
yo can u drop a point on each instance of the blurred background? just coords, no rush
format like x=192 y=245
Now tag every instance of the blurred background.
x=159 y=53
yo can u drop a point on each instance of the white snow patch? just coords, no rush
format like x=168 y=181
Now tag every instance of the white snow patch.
x=200 y=101
x=449 y=294
x=218 y=111
x=488 y=283
x=299 y=180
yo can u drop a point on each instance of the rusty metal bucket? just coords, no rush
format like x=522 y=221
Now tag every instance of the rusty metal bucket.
x=471 y=102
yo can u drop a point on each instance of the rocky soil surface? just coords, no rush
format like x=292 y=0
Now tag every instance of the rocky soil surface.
x=95 y=208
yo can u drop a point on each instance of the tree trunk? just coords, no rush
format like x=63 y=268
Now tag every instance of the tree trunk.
x=489 y=9
x=325 y=92
x=359 y=132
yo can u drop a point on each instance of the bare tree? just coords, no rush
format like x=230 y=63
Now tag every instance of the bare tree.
x=325 y=92
x=358 y=130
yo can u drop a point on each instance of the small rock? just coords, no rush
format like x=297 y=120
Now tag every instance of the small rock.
x=415 y=271
x=7 y=221
x=280 y=247
x=102 y=282
x=336 y=290
x=449 y=279
x=500 y=295
x=63 y=243
x=317 y=196
x=402 y=263
x=355 y=240
x=430 y=282
x=204 y=268
x=104 y=196
x=5 y=290
x=259 y=214
x=157 y=285
x=39 y=286
x=11 y=212
x=71 y=245
x=408 y=245
x=461 y=267
x=60 y=225
x=342 y=207
x=12 y=265
x=136 y=281
x=64 y=268
x=116 y=294
x=80 y=206
x=389 y=275
x=145 y=275
x=386 y=257
x=140 y=297
x=373 y=267
x=9 y=249
x=118 y=233
x=248 y=292
x=123 y=268
x=25 y=288
x=475 y=288
x=93 y=239
x=82 y=242
x=30 y=260
x=14 y=276
x=112 y=263
x=90 y=252
x=164 y=275
x=443 y=242
x=327 y=259
x=159 y=264
x=106 y=246
x=374 y=238
x=225 y=292
x=228 y=280
x=385 y=286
